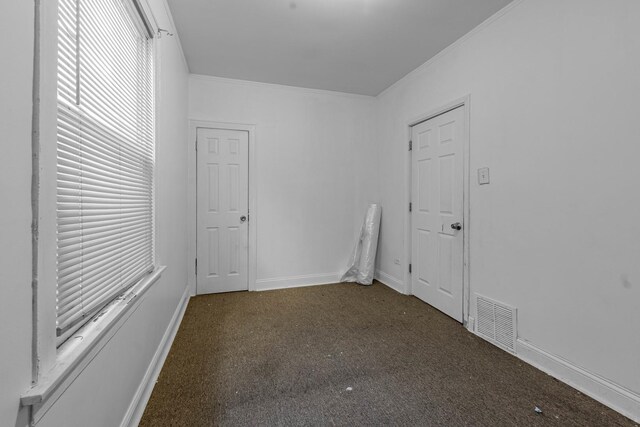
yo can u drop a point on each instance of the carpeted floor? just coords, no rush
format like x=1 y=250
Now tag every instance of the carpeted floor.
x=349 y=355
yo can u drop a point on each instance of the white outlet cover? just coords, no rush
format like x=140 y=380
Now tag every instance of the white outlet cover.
x=483 y=176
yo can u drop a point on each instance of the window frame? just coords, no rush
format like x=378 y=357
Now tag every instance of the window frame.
x=78 y=110
x=54 y=365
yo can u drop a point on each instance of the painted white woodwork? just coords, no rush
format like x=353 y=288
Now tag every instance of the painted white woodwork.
x=437 y=207
x=106 y=387
x=222 y=210
x=314 y=173
x=16 y=82
x=562 y=152
x=550 y=81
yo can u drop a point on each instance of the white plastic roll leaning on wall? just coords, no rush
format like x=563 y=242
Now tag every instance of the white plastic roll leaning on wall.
x=362 y=261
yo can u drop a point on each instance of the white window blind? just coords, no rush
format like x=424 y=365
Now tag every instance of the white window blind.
x=105 y=155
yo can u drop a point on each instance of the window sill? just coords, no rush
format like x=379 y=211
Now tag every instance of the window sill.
x=78 y=351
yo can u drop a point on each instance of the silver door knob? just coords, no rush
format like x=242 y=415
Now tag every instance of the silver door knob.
x=456 y=226
x=243 y=218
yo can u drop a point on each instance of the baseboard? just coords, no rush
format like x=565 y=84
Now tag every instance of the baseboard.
x=297 y=281
x=141 y=398
x=390 y=281
x=613 y=395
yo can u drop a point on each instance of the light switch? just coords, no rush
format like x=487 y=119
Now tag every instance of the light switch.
x=483 y=176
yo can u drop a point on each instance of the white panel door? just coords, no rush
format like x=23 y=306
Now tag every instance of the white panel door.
x=222 y=210
x=437 y=211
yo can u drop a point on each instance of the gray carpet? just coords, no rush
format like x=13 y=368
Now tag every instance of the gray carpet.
x=349 y=355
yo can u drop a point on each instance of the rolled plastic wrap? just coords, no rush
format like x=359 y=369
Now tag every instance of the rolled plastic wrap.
x=361 y=265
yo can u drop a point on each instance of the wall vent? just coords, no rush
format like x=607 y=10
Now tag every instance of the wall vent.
x=496 y=322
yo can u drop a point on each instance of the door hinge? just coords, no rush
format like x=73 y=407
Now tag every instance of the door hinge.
x=196 y=144
x=410 y=206
x=410 y=145
x=409 y=268
x=196 y=266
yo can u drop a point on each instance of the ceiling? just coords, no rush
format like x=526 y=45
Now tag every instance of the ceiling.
x=355 y=46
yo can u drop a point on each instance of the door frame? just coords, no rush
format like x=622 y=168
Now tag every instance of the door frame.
x=465 y=102
x=194 y=125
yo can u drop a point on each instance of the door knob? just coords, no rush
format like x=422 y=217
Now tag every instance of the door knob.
x=243 y=218
x=456 y=226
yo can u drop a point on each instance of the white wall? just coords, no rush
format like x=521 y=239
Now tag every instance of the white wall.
x=554 y=113
x=315 y=166
x=103 y=392
x=16 y=39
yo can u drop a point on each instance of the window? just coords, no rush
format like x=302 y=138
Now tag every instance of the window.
x=105 y=156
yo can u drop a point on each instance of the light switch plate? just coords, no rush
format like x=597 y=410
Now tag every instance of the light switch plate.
x=483 y=176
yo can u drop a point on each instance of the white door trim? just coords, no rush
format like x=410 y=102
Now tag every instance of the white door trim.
x=194 y=125
x=465 y=102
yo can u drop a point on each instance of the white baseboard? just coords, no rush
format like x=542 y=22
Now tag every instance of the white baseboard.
x=141 y=398
x=611 y=394
x=390 y=281
x=297 y=281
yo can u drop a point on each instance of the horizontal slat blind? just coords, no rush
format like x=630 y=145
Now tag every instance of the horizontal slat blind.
x=105 y=152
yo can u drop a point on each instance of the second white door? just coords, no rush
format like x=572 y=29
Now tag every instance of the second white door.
x=222 y=210
x=437 y=211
